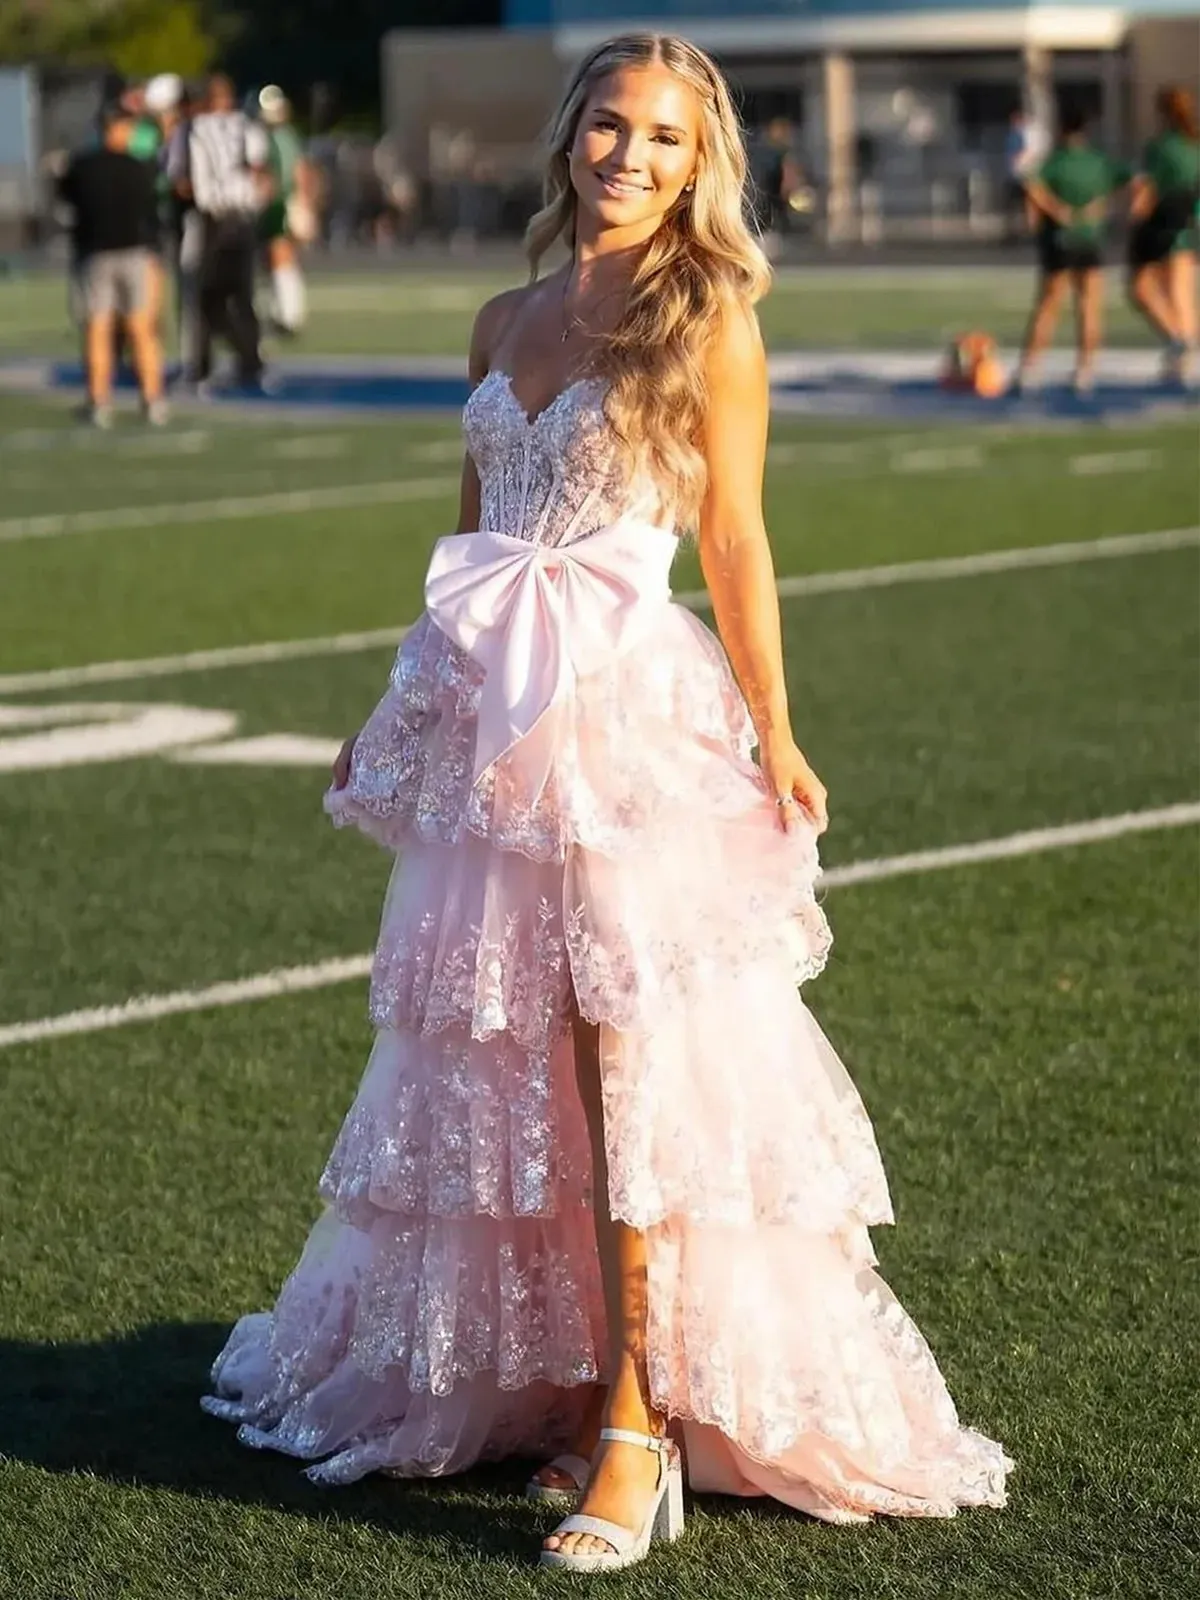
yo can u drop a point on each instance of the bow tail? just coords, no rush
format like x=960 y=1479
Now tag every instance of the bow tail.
x=527 y=698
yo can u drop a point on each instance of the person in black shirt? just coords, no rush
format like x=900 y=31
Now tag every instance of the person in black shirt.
x=112 y=195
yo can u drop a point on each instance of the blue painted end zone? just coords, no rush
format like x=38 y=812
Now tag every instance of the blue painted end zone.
x=904 y=399
x=830 y=393
x=383 y=391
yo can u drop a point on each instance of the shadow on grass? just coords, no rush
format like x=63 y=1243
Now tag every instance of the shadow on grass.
x=128 y=1410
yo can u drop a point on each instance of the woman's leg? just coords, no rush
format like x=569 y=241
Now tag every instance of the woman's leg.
x=1181 y=289
x=1149 y=295
x=623 y=1476
x=1051 y=293
x=1089 y=309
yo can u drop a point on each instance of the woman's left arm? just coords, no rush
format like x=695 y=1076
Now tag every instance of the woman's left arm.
x=735 y=557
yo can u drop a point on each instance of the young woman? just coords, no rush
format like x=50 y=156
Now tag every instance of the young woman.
x=605 y=1185
x=1165 y=211
x=1070 y=192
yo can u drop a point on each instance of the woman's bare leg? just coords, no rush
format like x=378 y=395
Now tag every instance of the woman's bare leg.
x=1149 y=294
x=1089 y=312
x=1181 y=289
x=1042 y=321
x=623 y=1476
x=584 y=1444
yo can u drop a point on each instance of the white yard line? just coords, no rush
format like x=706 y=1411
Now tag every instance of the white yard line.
x=1103 y=463
x=264 y=986
x=344 y=969
x=338 y=497
x=937 y=570
x=987 y=561
x=1035 y=841
x=238 y=655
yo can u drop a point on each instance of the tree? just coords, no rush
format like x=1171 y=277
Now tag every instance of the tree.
x=136 y=37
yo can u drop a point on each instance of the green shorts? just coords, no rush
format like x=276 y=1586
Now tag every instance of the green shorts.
x=273 y=222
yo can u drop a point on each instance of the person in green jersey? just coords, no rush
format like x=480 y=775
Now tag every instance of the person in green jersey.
x=1165 y=212
x=1070 y=192
x=282 y=225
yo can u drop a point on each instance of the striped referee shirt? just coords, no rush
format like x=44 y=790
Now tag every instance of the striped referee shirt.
x=217 y=158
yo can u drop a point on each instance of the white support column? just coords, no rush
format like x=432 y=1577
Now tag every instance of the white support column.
x=1037 y=88
x=1112 y=111
x=840 y=132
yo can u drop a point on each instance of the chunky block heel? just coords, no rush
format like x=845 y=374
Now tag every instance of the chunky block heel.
x=664 y=1520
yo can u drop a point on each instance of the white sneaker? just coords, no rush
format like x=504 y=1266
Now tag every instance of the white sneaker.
x=1177 y=366
x=157 y=413
x=100 y=416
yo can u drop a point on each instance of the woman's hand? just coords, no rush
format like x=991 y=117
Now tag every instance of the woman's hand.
x=341 y=767
x=791 y=779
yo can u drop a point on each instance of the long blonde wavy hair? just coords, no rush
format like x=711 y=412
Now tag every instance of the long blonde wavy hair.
x=700 y=264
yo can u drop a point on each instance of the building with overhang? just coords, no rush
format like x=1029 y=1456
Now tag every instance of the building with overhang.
x=910 y=99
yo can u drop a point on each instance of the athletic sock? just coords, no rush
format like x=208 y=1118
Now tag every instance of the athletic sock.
x=290 y=307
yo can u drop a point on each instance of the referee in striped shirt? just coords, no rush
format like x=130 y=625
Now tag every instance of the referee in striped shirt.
x=221 y=169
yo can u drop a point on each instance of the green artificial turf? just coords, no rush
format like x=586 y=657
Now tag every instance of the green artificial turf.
x=1024 y=1032
x=426 y=312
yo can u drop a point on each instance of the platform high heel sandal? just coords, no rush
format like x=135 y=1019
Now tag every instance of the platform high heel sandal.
x=573 y=1467
x=664 y=1519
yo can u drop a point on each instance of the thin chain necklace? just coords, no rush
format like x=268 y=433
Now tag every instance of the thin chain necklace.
x=570 y=321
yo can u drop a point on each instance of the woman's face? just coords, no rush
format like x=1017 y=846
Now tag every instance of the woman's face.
x=636 y=146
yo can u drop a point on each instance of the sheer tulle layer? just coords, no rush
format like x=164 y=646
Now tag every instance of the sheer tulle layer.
x=448 y=1306
x=782 y=1357
x=723 y=1100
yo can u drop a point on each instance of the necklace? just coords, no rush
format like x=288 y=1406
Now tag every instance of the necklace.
x=569 y=320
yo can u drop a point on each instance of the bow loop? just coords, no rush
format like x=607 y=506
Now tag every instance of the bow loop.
x=538 y=617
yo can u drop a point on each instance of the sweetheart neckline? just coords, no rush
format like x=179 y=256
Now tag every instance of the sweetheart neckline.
x=531 y=422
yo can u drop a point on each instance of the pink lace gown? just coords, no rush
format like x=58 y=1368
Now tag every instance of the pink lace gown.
x=562 y=764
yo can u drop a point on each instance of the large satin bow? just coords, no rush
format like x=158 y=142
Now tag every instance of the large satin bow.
x=537 y=617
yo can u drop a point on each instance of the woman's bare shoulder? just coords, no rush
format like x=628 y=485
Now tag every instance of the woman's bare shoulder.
x=492 y=321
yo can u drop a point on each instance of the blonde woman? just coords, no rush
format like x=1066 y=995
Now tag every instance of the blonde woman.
x=605 y=1187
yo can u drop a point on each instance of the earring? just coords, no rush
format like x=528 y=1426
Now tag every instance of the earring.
x=688 y=187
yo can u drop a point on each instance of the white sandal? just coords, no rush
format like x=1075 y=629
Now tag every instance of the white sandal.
x=664 y=1520
x=573 y=1467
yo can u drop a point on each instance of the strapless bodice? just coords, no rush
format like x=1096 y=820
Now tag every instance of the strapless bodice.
x=554 y=477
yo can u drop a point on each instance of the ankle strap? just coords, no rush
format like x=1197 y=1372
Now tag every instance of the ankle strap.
x=646 y=1440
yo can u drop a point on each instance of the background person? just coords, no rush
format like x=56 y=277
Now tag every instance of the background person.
x=775 y=176
x=163 y=101
x=112 y=195
x=1024 y=148
x=1165 y=211
x=1070 y=192
x=288 y=218
x=222 y=169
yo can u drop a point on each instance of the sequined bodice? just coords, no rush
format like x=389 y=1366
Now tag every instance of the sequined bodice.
x=555 y=477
